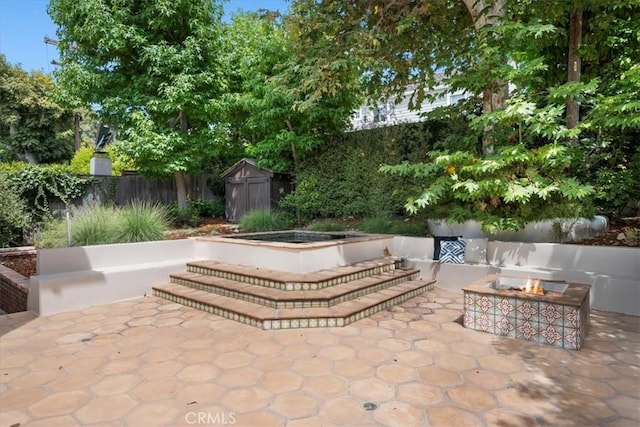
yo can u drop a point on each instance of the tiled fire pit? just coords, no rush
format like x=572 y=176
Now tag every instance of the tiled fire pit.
x=500 y=305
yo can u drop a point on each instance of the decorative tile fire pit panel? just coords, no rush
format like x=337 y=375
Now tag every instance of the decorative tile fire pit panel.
x=548 y=312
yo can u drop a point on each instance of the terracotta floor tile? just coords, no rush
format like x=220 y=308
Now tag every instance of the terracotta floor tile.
x=299 y=350
x=504 y=417
x=486 y=379
x=62 y=421
x=353 y=369
x=295 y=405
x=373 y=390
x=447 y=415
x=258 y=419
x=22 y=398
x=399 y=413
x=116 y=384
x=239 y=377
x=326 y=386
x=281 y=381
x=397 y=373
x=103 y=409
x=59 y=404
x=121 y=366
x=625 y=406
x=473 y=398
x=394 y=344
x=155 y=370
x=420 y=393
x=198 y=372
x=312 y=367
x=420 y=368
x=343 y=411
x=71 y=382
x=161 y=413
x=247 y=399
x=157 y=389
x=439 y=376
x=198 y=394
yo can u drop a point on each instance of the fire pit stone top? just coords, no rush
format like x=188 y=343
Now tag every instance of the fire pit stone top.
x=558 y=292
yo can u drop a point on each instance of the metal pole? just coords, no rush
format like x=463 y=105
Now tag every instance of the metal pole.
x=68 y=229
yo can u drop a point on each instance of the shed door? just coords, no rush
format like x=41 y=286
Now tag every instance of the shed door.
x=246 y=195
x=258 y=193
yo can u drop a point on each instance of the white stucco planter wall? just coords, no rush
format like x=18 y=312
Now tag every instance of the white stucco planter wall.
x=84 y=276
x=612 y=272
x=80 y=277
x=541 y=231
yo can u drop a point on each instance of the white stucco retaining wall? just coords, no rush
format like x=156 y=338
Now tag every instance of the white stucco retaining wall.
x=612 y=272
x=80 y=277
x=573 y=230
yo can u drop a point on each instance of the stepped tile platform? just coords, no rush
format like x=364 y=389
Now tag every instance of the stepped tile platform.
x=271 y=299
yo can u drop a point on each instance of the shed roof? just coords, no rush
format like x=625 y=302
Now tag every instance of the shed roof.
x=246 y=161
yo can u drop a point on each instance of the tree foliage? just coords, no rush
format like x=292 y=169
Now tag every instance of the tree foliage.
x=525 y=44
x=264 y=92
x=153 y=68
x=32 y=125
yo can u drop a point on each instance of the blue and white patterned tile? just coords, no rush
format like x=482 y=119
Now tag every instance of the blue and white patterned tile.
x=469 y=319
x=527 y=330
x=526 y=310
x=485 y=323
x=486 y=304
x=551 y=335
x=505 y=326
x=505 y=307
x=551 y=313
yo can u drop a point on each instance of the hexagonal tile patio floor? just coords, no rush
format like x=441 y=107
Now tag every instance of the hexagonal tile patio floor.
x=149 y=362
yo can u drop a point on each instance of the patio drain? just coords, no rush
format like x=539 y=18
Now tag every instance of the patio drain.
x=370 y=406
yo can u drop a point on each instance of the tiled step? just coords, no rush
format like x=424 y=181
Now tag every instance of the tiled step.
x=294 y=281
x=278 y=298
x=265 y=317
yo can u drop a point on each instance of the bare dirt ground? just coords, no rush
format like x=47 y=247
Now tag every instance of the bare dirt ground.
x=26 y=264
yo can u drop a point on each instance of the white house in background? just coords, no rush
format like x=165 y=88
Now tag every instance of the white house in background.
x=390 y=112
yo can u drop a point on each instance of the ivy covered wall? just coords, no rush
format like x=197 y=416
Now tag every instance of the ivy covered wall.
x=341 y=179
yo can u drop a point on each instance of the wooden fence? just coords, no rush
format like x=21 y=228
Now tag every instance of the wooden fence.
x=121 y=190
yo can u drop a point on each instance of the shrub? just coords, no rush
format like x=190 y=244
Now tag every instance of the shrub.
x=208 y=208
x=13 y=213
x=99 y=225
x=378 y=224
x=96 y=225
x=326 y=225
x=263 y=220
x=406 y=228
x=39 y=185
x=187 y=217
x=141 y=222
x=52 y=235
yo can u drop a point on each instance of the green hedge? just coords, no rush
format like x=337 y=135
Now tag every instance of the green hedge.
x=342 y=178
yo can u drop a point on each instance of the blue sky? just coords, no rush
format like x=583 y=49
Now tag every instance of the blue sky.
x=25 y=23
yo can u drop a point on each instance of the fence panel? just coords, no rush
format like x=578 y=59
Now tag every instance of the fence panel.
x=122 y=190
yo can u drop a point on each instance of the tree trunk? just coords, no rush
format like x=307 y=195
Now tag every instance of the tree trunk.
x=182 y=181
x=494 y=96
x=76 y=131
x=575 y=64
x=181 y=190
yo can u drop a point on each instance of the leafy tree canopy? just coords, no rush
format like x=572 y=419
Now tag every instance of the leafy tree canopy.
x=32 y=125
x=153 y=67
x=265 y=89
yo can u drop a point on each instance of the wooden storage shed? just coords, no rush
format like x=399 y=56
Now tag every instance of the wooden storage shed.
x=250 y=188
